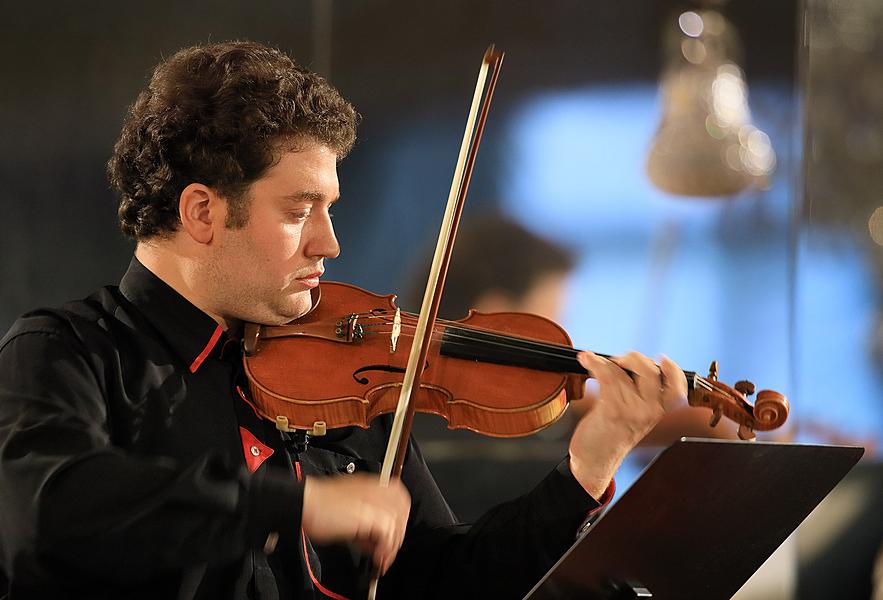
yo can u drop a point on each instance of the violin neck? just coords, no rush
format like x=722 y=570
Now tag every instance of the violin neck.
x=487 y=346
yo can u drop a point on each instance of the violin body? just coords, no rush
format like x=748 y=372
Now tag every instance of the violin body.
x=342 y=365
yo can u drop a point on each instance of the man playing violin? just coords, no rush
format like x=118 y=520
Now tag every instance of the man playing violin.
x=132 y=463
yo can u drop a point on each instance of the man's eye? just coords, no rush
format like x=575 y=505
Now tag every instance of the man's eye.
x=299 y=215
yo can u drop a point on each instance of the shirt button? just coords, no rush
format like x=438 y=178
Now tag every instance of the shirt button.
x=255 y=451
x=351 y=468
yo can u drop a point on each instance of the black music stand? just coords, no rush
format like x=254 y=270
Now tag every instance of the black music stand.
x=700 y=520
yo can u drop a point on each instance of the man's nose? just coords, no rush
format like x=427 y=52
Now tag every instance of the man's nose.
x=324 y=243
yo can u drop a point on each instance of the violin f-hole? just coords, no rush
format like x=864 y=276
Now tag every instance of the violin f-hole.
x=384 y=368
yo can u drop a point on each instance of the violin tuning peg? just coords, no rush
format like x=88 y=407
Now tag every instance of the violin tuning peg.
x=745 y=387
x=712 y=371
x=746 y=433
x=715 y=417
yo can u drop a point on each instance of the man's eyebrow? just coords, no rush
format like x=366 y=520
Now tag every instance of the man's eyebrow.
x=309 y=196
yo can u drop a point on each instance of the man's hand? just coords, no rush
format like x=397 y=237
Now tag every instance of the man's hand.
x=355 y=509
x=633 y=396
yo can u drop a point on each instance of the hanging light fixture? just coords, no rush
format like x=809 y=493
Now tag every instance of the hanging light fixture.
x=706 y=144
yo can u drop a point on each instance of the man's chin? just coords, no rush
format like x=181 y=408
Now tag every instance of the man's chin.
x=281 y=313
x=295 y=310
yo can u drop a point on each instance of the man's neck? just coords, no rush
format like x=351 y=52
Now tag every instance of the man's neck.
x=178 y=271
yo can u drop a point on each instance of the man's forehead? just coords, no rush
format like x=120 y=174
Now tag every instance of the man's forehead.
x=306 y=174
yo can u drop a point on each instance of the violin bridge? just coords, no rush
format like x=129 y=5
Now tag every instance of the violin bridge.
x=396 y=331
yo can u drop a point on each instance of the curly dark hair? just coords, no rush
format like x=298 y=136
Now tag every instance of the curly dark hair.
x=216 y=115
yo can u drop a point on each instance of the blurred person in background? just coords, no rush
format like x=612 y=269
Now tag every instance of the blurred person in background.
x=498 y=265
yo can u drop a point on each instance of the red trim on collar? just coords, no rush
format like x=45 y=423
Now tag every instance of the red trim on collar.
x=255 y=451
x=208 y=348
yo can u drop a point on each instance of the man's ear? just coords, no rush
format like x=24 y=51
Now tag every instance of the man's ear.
x=201 y=211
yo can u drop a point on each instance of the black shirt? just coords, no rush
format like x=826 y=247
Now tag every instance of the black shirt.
x=132 y=466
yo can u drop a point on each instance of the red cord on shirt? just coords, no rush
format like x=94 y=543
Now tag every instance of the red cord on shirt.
x=303 y=536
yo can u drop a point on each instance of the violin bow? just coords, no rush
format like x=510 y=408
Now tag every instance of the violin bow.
x=404 y=415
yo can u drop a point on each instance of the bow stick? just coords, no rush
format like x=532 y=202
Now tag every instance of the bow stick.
x=401 y=427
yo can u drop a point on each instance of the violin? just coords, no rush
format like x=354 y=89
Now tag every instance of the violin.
x=498 y=374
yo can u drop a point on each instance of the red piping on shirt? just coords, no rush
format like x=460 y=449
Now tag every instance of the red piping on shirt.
x=242 y=395
x=303 y=537
x=208 y=348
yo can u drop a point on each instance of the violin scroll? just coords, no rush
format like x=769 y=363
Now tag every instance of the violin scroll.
x=769 y=411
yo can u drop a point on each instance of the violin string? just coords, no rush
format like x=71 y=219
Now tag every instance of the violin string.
x=503 y=341
x=451 y=325
x=490 y=334
x=513 y=343
x=405 y=316
x=499 y=341
x=454 y=331
x=559 y=352
x=387 y=320
x=471 y=343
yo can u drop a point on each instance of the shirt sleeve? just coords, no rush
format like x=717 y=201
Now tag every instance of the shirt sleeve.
x=74 y=507
x=502 y=555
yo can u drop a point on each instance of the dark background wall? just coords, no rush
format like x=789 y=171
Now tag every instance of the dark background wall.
x=69 y=70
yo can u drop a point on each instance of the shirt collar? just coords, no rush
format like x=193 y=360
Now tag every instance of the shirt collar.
x=190 y=332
